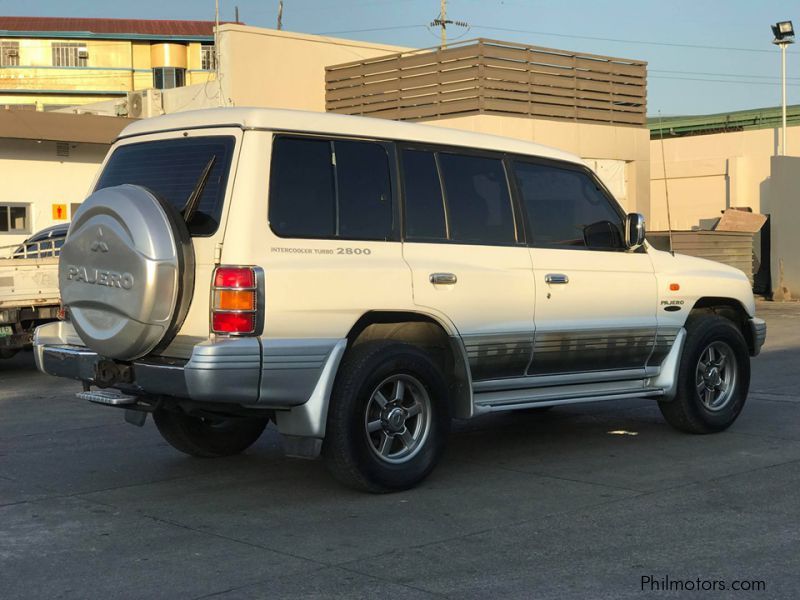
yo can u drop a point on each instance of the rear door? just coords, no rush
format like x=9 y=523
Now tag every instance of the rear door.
x=595 y=300
x=170 y=165
x=462 y=241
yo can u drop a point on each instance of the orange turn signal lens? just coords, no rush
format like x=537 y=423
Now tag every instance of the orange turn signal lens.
x=234 y=300
x=674 y=287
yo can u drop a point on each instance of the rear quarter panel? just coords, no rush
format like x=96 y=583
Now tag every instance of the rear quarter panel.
x=314 y=288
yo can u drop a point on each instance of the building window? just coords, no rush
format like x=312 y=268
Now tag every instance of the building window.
x=208 y=58
x=69 y=54
x=165 y=78
x=9 y=54
x=14 y=218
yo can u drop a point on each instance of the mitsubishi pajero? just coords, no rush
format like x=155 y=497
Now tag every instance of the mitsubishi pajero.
x=361 y=282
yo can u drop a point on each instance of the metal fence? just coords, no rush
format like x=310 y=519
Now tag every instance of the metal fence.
x=489 y=76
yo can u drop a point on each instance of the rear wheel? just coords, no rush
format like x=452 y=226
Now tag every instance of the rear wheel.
x=713 y=378
x=208 y=438
x=8 y=353
x=388 y=419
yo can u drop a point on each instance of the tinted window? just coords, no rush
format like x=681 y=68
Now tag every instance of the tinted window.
x=566 y=207
x=365 y=207
x=314 y=195
x=171 y=170
x=302 y=195
x=478 y=202
x=424 y=207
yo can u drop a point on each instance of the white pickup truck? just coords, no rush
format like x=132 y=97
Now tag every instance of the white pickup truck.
x=28 y=287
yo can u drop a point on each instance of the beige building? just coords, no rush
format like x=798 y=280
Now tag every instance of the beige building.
x=593 y=106
x=48 y=161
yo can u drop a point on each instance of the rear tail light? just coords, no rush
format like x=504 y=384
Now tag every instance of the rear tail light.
x=236 y=305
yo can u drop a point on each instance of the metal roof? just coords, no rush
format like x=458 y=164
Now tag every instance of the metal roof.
x=60 y=127
x=105 y=28
x=757 y=118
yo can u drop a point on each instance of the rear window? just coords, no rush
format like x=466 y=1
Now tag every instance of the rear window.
x=171 y=169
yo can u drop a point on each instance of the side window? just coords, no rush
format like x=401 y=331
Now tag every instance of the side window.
x=478 y=201
x=365 y=192
x=330 y=189
x=566 y=208
x=302 y=200
x=424 y=205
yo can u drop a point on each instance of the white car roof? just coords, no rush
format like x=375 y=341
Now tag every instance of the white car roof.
x=336 y=124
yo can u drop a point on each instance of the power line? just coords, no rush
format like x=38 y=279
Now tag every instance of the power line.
x=749 y=75
x=622 y=41
x=723 y=81
x=370 y=29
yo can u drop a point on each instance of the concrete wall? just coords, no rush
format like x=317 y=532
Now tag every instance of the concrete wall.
x=781 y=199
x=591 y=142
x=708 y=173
x=41 y=178
x=277 y=69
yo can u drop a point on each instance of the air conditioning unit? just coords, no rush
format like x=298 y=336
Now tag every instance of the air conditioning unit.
x=145 y=104
x=83 y=52
x=12 y=52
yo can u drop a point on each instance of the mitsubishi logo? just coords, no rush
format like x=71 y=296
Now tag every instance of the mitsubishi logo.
x=99 y=244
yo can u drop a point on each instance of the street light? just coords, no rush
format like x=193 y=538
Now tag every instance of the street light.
x=784 y=35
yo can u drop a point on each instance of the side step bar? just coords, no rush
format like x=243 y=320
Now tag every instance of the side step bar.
x=570 y=394
x=107 y=397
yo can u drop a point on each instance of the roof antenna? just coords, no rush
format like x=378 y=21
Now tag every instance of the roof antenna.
x=666 y=182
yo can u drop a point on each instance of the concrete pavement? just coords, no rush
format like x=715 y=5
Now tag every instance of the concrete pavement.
x=528 y=505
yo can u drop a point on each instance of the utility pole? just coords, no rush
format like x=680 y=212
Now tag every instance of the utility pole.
x=443 y=17
x=280 y=15
x=442 y=21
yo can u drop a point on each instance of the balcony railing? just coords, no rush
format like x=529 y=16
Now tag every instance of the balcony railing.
x=489 y=76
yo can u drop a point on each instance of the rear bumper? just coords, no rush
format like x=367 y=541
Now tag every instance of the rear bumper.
x=279 y=374
x=758 y=331
x=217 y=380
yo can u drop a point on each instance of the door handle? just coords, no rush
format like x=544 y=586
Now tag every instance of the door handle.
x=443 y=278
x=556 y=278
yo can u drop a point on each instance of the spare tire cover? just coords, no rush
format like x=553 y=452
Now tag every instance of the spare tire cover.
x=126 y=272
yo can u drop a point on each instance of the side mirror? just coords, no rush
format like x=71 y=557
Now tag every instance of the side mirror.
x=634 y=230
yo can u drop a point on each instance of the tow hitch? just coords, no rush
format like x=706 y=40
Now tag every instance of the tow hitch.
x=108 y=373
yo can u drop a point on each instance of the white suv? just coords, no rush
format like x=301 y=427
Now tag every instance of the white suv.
x=360 y=282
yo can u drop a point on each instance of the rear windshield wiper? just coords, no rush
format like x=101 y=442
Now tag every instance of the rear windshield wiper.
x=194 y=198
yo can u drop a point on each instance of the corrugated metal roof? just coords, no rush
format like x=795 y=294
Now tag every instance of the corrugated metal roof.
x=99 y=27
x=740 y=120
x=60 y=127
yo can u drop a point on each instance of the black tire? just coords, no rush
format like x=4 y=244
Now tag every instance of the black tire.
x=356 y=457
x=206 y=438
x=688 y=412
x=5 y=354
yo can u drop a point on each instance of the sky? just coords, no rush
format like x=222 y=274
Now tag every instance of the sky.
x=705 y=56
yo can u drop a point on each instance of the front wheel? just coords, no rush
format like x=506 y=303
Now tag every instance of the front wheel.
x=388 y=419
x=206 y=437
x=713 y=377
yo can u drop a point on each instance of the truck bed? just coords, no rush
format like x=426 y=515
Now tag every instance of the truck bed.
x=28 y=282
